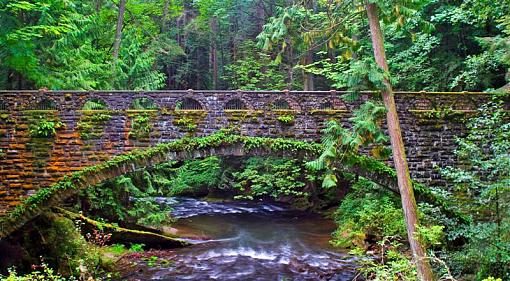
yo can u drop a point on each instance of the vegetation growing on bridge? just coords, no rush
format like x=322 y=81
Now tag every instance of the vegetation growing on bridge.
x=268 y=45
x=438 y=207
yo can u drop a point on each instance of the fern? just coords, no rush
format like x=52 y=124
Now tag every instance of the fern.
x=340 y=142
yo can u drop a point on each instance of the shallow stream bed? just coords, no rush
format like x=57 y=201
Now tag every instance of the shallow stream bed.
x=246 y=241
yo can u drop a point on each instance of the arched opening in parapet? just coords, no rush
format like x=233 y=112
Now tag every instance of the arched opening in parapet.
x=235 y=104
x=3 y=105
x=45 y=104
x=326 y=105
x=281 y=104
x=188 y=104
x=143 y=104
x=95 y=104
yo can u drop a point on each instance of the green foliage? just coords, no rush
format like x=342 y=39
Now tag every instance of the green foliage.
x=286 y=119
x=140 y=126
x=255 y=70
x=369 y=213
x=136 y=68
x=186 y=123
x=431 y=236
x=136 y=248
x=91 y=126
x=94 y=104
x=193 y=177
x=353 y=74
x=61 y=249
x=480 y=188
x=143 y=104
x=478 y=72
x=394 y=266
x=271 y=177
x=43 y=274
x=492 y=279
x=368 y=210
x=42 y=127
x=61 y=44
x=69 y=248
x=414 y=65
x=118 y=249
x=121 y=200
x=431 y=45
x=340 y=142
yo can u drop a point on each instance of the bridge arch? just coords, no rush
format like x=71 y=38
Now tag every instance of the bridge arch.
x=188 y=103
x=235 y=104
x=143 y=103
x=280 y=104
x=326 y=104
x=43 y=104
x=94 y=104
x=219 y=144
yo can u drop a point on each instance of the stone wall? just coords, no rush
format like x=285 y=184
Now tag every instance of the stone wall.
x=27 y=162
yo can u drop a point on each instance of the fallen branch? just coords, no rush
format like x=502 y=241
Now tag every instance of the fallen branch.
x=120 y=234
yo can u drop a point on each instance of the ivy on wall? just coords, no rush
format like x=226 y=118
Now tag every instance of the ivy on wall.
x=91 y=125
x=140 y=125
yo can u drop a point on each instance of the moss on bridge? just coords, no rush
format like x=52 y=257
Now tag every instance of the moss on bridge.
x=219 y=144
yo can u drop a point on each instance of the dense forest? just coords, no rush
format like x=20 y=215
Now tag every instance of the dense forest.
x=117 y=229
x=431 y=45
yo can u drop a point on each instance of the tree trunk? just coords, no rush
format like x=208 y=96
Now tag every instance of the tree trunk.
x=290 y=68
x=165 y=16
x=507 y=86
x=399 y=156
x=308 y=84
x=214 y=52
x=261 y=16
x=99 y=4
x=308 y=77
x=118 y=31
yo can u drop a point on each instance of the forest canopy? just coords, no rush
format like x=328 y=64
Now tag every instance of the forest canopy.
x=249 y=44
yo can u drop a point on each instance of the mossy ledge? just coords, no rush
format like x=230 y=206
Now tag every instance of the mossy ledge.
x=219 y=144
x=121 y=234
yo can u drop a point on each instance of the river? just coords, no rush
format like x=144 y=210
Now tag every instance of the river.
x=248 y=241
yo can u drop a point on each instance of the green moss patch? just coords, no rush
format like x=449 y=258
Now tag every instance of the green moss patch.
x=92 y=124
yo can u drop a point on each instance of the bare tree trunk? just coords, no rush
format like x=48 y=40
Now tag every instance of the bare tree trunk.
x=507 y=86
x=214 y=53
x=164 y=19
x=118 y=31
x=290 y=69
x=99 y=4
x=308 y=77
x=399 y=156
x=308 y=84
x=261 y=16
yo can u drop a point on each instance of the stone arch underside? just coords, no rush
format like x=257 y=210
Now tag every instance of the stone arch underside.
x=220 y=144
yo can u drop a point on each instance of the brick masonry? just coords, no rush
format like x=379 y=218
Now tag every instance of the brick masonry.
x=430 y=121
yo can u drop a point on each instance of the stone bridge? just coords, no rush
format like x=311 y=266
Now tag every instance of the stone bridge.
x=220 y=144
x=47 y=135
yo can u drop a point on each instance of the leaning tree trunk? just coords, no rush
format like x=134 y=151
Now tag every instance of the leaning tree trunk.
x=399 y=156
x=118 y=31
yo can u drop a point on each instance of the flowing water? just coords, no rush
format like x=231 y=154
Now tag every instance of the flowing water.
x=249 y=241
